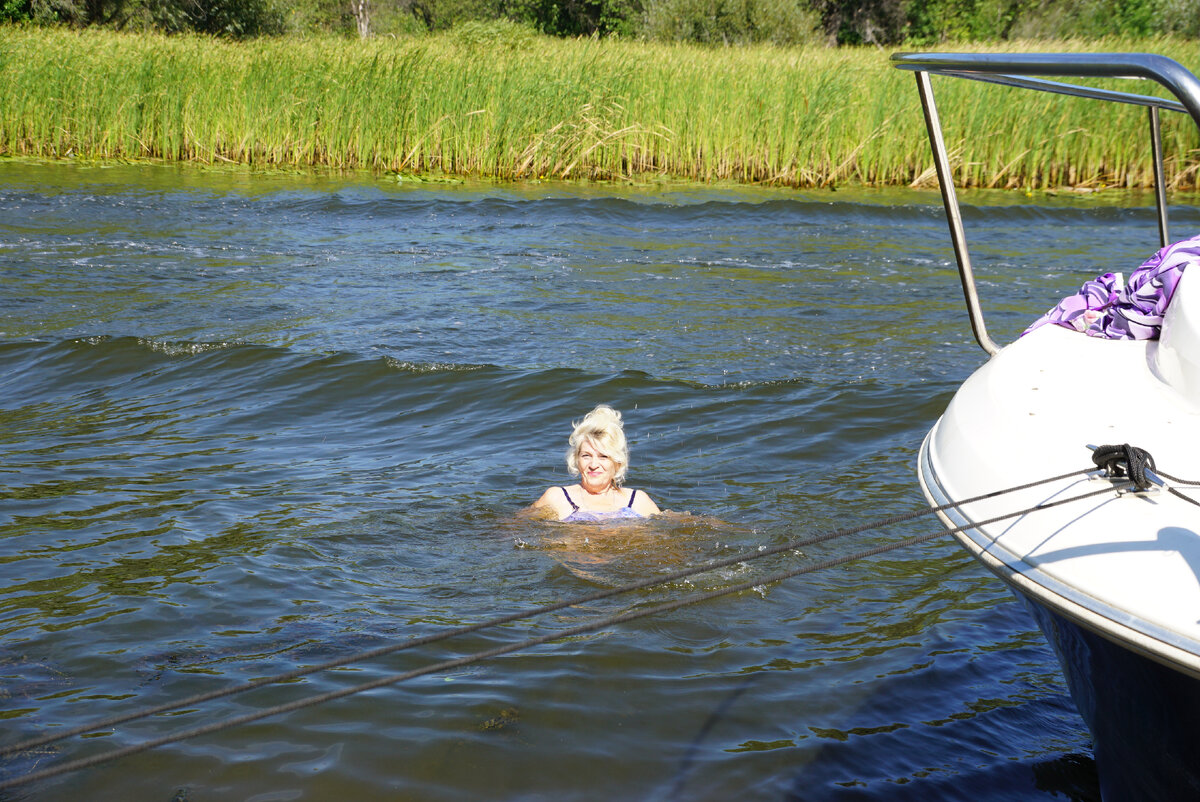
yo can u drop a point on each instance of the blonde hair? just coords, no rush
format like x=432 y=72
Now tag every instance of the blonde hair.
x=604 y=428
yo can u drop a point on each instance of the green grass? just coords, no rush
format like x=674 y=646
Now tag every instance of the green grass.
x=512 y=105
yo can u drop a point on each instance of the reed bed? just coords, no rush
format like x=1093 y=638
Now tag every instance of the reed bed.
x=511 y=105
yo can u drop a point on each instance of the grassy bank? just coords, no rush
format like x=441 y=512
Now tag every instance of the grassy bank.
x=507 y=104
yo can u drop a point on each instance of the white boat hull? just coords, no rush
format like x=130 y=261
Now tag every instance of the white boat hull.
x=1114 y=579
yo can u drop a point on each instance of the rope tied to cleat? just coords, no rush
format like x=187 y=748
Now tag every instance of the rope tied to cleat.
x=1125 y=460
x=1136 y=464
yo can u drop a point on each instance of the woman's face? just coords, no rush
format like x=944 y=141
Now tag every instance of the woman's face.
x=597 y=470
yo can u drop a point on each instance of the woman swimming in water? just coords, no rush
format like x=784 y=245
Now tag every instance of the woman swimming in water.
x=598 y=452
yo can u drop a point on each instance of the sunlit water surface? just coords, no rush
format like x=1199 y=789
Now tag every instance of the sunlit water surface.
x=250 y=423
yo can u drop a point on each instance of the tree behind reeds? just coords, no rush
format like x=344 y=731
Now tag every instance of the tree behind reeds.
x=714 y=22
x=236 y=19
x=730 y=22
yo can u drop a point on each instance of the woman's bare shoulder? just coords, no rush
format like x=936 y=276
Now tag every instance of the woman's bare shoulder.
x=552 y=505
x=642 y=503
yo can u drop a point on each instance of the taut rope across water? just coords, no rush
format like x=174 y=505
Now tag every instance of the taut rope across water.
x=465 y=660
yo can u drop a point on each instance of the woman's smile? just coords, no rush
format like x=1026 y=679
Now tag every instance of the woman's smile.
x=597 y=469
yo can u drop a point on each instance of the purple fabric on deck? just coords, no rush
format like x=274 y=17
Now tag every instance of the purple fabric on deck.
x=1117 y=310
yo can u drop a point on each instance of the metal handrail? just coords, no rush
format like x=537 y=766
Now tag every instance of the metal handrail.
x=1028 y=71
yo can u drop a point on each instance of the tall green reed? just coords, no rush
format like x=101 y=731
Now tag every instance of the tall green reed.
x=512 y=105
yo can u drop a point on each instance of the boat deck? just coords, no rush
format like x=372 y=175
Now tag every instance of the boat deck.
x=1124 y=564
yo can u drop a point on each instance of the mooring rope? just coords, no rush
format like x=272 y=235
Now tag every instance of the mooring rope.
x=1125 y=460
x=425 y=640
x=1174 y=491
x=502 y=650
x=1128 y=460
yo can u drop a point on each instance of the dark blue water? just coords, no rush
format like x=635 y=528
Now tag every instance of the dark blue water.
x=250 y=423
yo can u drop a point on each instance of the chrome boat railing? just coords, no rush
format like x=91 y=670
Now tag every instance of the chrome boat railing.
x=1028 y=71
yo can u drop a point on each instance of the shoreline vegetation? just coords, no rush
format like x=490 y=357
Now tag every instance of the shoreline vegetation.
x=500 y=101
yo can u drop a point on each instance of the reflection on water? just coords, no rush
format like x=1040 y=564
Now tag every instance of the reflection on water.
x=252 y=423
x=619 y=553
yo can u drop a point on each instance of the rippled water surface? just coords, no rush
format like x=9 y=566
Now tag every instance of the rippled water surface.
x=251 y=423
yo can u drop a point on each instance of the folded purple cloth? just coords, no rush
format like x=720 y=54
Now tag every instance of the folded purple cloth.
x=1111 y=308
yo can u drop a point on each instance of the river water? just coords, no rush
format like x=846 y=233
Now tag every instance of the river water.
x=250 y=423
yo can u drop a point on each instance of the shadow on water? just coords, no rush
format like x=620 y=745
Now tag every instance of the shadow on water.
x=1070 y=776
x=854 y=764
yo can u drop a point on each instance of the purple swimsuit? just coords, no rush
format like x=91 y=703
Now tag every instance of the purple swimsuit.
x=591 y=516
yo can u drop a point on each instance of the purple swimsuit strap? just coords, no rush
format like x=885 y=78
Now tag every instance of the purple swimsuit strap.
x=575 y=507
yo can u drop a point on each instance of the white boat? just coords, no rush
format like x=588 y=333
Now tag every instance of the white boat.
x=1111 y=572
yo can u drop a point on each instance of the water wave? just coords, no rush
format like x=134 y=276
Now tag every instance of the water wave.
x=251 y=423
